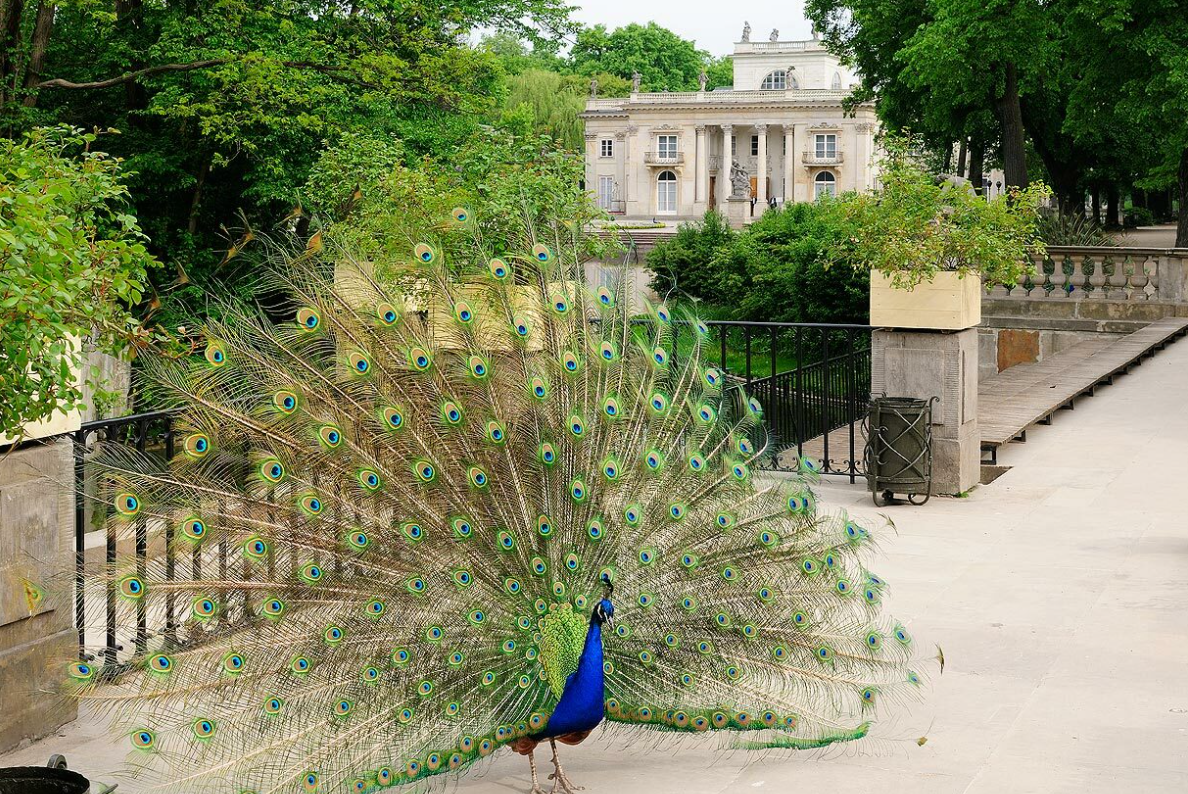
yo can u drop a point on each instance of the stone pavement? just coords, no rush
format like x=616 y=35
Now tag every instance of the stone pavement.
x=1059 y=594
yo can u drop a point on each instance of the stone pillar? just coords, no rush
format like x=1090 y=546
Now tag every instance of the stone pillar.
x=727 y=154
x=623 y=156
x=926 y=364
x=803 y=184
x=36 y=543
x=789 y=161
x=701 y=163
x=722 y=185
x=761 y=170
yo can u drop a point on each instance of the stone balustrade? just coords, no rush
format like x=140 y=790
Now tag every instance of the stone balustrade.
x=1103 y=274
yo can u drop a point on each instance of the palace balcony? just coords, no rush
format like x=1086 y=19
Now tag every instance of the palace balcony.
x=664 y=158
x=812 y=158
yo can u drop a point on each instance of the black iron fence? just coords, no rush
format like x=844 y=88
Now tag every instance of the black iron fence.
x=149 y=433
x=813 y=381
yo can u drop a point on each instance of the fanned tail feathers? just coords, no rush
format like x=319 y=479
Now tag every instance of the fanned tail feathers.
x=417 y=479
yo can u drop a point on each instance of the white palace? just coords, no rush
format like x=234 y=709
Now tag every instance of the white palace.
x=778 y=134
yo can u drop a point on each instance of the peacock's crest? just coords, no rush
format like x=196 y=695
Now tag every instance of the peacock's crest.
x=422 y=482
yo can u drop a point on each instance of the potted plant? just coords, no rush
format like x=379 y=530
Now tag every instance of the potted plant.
x=932 y=245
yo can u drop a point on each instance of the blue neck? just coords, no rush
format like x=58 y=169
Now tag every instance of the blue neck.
x=581 y=705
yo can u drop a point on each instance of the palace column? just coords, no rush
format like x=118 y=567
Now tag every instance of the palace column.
x=622 y=168
x=701 y=163
x=789 y=161
x=727 y=160
x=761 y=168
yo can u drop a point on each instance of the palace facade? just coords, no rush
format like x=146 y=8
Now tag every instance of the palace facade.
x=779 y=134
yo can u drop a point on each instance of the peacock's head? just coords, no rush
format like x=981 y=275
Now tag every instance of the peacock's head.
x=604 y=610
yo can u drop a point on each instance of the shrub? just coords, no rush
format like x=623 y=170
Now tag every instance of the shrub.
x=1059 y=228
x=72 y=263
x=689 y=263
x=779 y=269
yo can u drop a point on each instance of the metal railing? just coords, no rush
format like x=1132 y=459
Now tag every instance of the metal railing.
x=148 y=433
x=812 y=380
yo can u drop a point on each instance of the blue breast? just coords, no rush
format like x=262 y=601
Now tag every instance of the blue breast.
x=581 y=705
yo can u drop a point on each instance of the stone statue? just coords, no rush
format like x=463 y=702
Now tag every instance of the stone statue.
x=702 y=79
x=775 y=35
x=635 y=78
x=594 y=88
x=740 y=180
x=746 y=31
x=790 y=80
x=816 y=34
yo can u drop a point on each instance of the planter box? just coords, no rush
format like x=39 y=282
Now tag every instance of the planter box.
x=947 y=303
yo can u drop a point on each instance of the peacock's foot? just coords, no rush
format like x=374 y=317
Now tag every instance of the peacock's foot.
x=563 y=784
x=536 y=789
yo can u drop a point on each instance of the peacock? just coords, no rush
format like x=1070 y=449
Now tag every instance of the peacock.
x=426 y=510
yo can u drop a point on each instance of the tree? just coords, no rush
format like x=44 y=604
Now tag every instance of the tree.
x=226 y=106
x=73 y=263
x=941 y=61
x=664 y=60
x=555 y=100
x=1130 y=58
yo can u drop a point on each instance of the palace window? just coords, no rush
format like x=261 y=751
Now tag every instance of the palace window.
x=824 y=185
x=776 y=81
x=836 y=85
x=606 y=148
x=666 y=192
x=666 y=146
x=825 y=145
x=754 y=146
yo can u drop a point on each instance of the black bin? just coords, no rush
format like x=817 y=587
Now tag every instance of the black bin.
x=899 y=449
x=41 y=780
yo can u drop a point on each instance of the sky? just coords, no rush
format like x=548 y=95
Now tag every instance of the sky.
x=713 y=24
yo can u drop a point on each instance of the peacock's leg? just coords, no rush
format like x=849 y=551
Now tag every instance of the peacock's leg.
x=536 y=789
x=560 y=781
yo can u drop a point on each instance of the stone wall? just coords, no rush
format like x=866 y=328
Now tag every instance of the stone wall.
x=37 y=542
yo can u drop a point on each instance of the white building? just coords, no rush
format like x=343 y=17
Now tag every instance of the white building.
x=675 y=155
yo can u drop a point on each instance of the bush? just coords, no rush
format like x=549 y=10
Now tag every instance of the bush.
x=779 y=269
x=1138 y=216
x=1059 y=228
x=72 y=263
x=688 y=263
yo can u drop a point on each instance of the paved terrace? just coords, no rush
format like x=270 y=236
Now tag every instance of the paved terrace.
x=1059 y=594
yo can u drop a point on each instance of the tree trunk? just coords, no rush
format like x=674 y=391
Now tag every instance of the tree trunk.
x=1113 y=205
x=977 y=156
x=961 y=158
x=1182 y=189
x=1010 y=117
x=42 y=29
x=196 y=201
x=948 y=158
x=11 y=12
x=1095 y=193
x=129 y=22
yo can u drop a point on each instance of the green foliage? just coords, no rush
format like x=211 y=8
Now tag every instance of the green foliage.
x=781 y=268
x=553 y=101
x=1062 y=228
x=72 y=264
x=690 y=262
x=665 y=61
x=504 y=177
x=912 y=227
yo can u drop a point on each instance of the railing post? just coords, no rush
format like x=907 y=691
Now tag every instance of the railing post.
x=80 y=547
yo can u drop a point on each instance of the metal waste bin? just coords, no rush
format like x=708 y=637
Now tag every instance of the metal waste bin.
x=899 y=449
